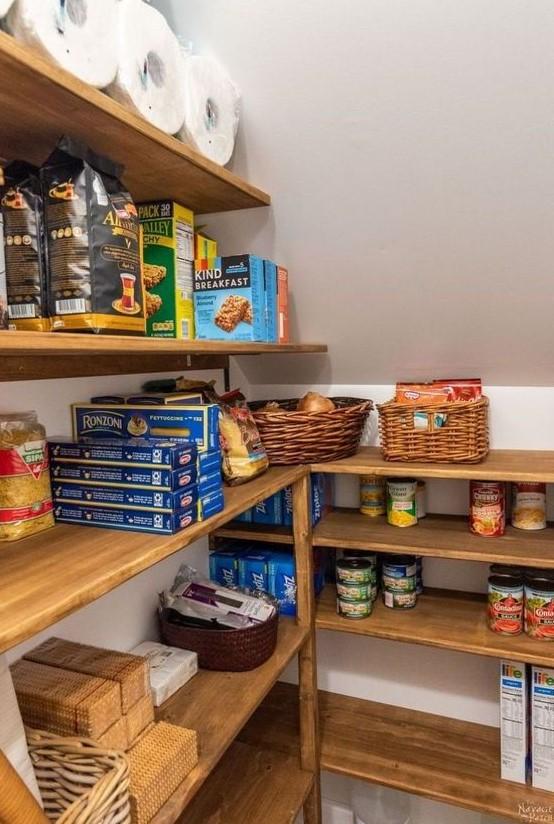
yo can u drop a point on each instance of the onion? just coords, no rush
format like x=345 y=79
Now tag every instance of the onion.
x=271 y=406
x=314 y=402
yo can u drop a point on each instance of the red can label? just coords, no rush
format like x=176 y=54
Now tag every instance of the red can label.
x=487 y=513
x=539 y=612
x=505 y=608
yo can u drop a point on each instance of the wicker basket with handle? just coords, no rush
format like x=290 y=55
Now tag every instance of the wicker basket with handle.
x=80 y=783
x=292 y=437
x=464 y=437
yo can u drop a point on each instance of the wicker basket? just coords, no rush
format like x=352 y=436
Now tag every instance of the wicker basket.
x=228 y=650
x=78 y=782
x=292 y=437
x=464 y=438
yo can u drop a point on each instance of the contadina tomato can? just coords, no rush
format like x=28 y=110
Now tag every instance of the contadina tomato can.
x=372 y=496
x=505 y=611
x=529 y=506
x=539 y=608
x=487 y=508
x=401 y=502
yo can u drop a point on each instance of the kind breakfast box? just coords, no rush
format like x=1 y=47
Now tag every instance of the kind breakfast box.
x=168 y=250
x=514 y=714
x=229 y=299
x=542 y=728
x=194 y=423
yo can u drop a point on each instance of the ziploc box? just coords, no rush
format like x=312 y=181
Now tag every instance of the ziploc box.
x=268 y=511
x=229 y=299
x=282 y=581
x=195 y=423
x=514 y=755
x=132 y=520
x=271 y=313
x=125 y=496
x=245 y=517
x=542 y=728
x=131 y=451
x=254 y=571
x=168 y=250
x=224 y=567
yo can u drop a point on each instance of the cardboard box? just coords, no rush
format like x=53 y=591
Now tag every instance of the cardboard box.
x=165 y=479
x=542 y=728
x=229 y=299
x=131 y=520
x=168 y=244
x=282 y=581
x=254 y=571
x=196 y=424
x=210 y=503
x=134 y=451
x=169 y=668
x=514 y=754
x=204 y=247
x=271 y=312
x=283 y=304
x=125 y=496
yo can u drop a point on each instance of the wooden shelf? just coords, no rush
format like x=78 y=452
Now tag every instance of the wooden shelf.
x=51 y=574
x=442 y=618
x=455 y=762
x=256 y=532
x=438 y=536
x=41 y=355
x=251 y=784
x=217 y=705
x=40 y=102
x=500 y=465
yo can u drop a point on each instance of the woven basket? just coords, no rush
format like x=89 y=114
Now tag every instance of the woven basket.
x=228 y=650
x=292 y=437
x=463 y=439
x=78 y=782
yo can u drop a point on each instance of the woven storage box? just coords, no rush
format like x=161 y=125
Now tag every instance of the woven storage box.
x=79 y=782
x=115 y=738
x=464 y=438
x=138 y=718
x=292 y=437
x=231 y=650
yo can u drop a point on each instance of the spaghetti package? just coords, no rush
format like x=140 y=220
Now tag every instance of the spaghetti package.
x=244 y=455
x=25 y=496
x=93 y=241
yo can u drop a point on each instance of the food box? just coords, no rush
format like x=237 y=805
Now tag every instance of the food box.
x=271 y=314
x=132 y=451
x=254 y=571
x=229 y=299
x=4 y=317
x=127 y=496
x=210 y=504
x=283 y=304
x=196 y=424
x=132 y=520
x=269 y=511
x=282 y=581
x=168 y=249
x=224 y=567
x=204 y=247
x=165 y=479
x=542 y=728
x=169 y=668
x=514 y=756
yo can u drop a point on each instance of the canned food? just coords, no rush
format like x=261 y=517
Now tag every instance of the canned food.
x=354 y=592
x=529 y=506
x=400 y=566
x=401 y=502
x=354 y=609
x=355 y=571
x=506 y=571
x=392 y=584
x=360 y=555
x=400 y=600
x=421 y=499
x=487 y=514
x=505 y=612
x=373 y=592
x=539 y=609
x=372 y=495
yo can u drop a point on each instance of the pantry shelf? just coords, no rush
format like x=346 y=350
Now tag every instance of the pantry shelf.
x=256 y=532
x=500 y=465
x=40 y=102
x=53 y=573
x=456 y=762
x=217 y=705
x=437 y=536
x=442 y=618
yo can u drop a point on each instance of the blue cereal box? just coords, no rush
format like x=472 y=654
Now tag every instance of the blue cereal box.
x=282 y=581
x=196 y=424
x=271 y=312
x=254 y=571
x=125 y=496
x=269 y=511
x=164 y=478
x=224 y=567
x=229 y=298
x=132 y=520
x=131 y=451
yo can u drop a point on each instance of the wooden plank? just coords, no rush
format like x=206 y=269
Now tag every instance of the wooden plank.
x=256 y=532
x=438 y=536
x=49 y=575
x=455 y=762
x=442 y=618
x=251 y=784
x=500 y=465
x=40 y=101
x=216 y=705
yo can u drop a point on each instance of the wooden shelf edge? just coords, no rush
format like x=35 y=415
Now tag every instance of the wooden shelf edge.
x=256 y=532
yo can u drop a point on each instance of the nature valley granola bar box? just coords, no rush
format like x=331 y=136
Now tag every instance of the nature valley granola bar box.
x=168 y=252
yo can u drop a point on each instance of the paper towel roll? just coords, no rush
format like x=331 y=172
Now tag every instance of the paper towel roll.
x=212 y=106
x=79 y=35
x=5 y=6
x=150 y=66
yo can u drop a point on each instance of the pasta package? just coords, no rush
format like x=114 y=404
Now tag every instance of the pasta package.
x=25 y=495
x=244 y=455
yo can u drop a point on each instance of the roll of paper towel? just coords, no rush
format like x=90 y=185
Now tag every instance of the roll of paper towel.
x=5 y=6
x=150 y=66
x=212 y=106
x=79 y=35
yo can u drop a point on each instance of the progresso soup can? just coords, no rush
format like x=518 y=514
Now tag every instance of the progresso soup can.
x=505 y=611
x=539 y=608
x=487 y=508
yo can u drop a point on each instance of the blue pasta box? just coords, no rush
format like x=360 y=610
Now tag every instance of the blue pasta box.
x=224 y=567
x=195 y=424
x=208 y=463
x=271 y=311
x=131 y=520
x=282 y=581
x=164 y=479
x=125 y=496
x=254 y=571
x=229 y=298
x=269 y=511
x=131 y=451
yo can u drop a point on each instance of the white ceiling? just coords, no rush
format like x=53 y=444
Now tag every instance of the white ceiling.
x=408 y=148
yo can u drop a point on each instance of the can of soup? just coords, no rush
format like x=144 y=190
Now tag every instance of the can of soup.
x=529 y=506
x=354 y=592
x=372 y=495
x=355 y=571
x=539 y=608
x=506 y=571
x=399 y=600
x=400 y=566
x=505 y=611
x=401 y=502
x=354 y=609
x=487 y=508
